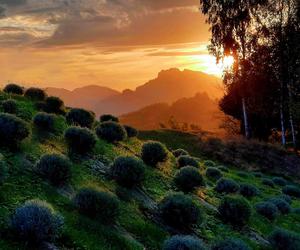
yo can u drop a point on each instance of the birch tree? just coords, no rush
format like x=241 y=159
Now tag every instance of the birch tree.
x=231 y=23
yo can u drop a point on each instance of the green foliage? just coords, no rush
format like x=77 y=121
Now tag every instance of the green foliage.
x=41 y=106
x=131 y=132
x=183 y=242
x=13 y=89
x=279 y=181
x=186 y=160
x=44 y=122
x=80 y=140
x=54 y=105
x=242 y=174
x=235 y=210
x=267 y=182
x=248 y=190
x=54 y=168
x=209 y=163
x=213 y=173
x=292 y=191
x=35 y=94
x=281 y=204
x=284 y=240
x=285 y=197
x=180 y=211
x=179 y=152
x=36 y=222
x=108 y=118
x=111 y=132
x=128 y=171
x=188 y=179
x=153 y=153
x=258 y=174
x=80 y=117
x=225 y=185
x=3 y=172
x=230 y=244
x=296 y=210
x=10 y=106
x=97 y=204
x=267 y=209
x=223 y=169
x=13 y=130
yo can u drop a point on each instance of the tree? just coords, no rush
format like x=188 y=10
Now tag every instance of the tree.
x=262 y=86
x=230 y=25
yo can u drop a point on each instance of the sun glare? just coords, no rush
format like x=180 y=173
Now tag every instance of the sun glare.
x=227 y=62
x=208 y=64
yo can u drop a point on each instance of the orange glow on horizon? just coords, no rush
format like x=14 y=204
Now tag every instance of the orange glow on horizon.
x=207 y=64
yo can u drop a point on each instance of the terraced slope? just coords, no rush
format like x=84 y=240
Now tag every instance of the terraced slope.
x=139 y=224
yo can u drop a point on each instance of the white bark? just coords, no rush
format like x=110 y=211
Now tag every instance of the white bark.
x=283 y=139
x=293 y=130
x=246 y=124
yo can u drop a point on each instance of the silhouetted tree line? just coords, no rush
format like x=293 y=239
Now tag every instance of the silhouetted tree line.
x=262 y=87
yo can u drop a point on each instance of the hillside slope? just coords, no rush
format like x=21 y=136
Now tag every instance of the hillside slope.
x=199 y=110
x=140 y=223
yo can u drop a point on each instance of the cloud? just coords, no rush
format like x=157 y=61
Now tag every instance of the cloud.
x=108 y=23
x=152 y=28
x=12 y=2
x=166 y=4
x=177 y=53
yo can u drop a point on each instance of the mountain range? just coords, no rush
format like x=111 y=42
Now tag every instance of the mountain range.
x=168 y=87
x=86 y=97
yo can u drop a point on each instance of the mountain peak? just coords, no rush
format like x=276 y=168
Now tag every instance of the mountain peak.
x=168 y=72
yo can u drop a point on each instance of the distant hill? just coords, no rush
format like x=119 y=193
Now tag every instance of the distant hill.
x=199 y=110
x=85 y=97
x=169 y=86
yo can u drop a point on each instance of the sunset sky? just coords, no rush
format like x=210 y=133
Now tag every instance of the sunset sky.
x=115 y=43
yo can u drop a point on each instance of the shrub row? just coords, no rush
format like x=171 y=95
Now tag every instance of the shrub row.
x=36 y=221
x=188 y=242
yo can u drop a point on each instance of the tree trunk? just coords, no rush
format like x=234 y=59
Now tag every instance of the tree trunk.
x=247 y=134
x=282 y=78
x=291 y=116
x=293 y=130
x=283 y=139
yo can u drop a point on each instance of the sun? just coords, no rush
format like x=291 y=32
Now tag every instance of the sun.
x=224 y=64
x=227 y=62
x=208 y=64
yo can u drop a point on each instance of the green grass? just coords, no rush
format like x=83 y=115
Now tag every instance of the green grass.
x=133 y=230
